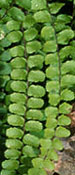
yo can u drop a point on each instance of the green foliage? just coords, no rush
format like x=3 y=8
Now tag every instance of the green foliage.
x=37 y=78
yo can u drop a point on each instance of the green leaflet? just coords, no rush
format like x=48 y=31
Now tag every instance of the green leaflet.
x=5 y=68
x=64 y=120
x=18 y=74
x=17 y=108
x=13 y=143
x=8 y=172
x=46 y=143
x=14 y=133
x=42 y=16
x=34 y=114
x=29 y=21
x=12 y=154
x=5 y=56
x=57 y=144
x=35 y=61
x=18 y=86
x=10 y=164
x=68 y=67
x=52 y=86
x=29 y=151
x=16 y=14
x=38 y=5
x=38 y=171
x=52 y=72
x=14 y=97
x=36 y=91
x=63 y=37
x=51 y=59
x=15 y=120
x=35 y=126
x=63 y=18
x=30 y=34
x=33 y=47
x=50 y=46
x=31 y=140
x=65 y=108
x=54 y=99
x=52 y=155
x=55 y=7
x=13 y=25
x=68 y=81
x=14 y=36
x=67 y=95
x=49 y=133
x=5 y=42
x=51 y=122
x=62 y=132
x=36 y=76
x=26 y=4
x=51 y=111
x=35 y=103
x=18 y=62
x=47 y=33
x=17 y=51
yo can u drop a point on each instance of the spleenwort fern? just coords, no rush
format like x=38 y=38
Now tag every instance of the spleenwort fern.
x=36 y=42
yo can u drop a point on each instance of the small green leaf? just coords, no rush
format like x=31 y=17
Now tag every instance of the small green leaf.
x=5 y=68
x=33 y=47
x=48 y=164
x=29 y=151
x=35 y=103
x=67 y=95
x=64 y=19
x=68 y=81
x=42 y=17
x=31 y=140
x=30 y=34
x=17 y=51
x=35 y=61
x=64 y=120
x=65 y=52
x=37 y=171
x=57 y=144
x=5 y=42
x=5 y=56
x=17 y=108
x=26 y=4
x=29 y=21
x=13 y=143
x=62 y=132
x=18 y=86
x=38 y=5
x=65 y=108
x=10 y=164
x=51 y=111
x=38 y=162
x=13 y=25
x=35 y=126
x=16 y=13
x=14 y=36
x=14 y=133
x=18 y=98
x=52 y=86
x=54 y=99
x=36 y=76
x=63 y=37
x=68 y=67
x=18 y=62
x=49 y=133
x=51 y=122
x=52 y=155
x=55 y=7
x=4 y=3
x=12 y=154
x=46 y=143
x=51 y=59
x=8 y=172
x=15 y=120
x=50 y=46
x=52 y=72
x=47 y=33
x=36 y=91
x=18 y=74
x=34 y=114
